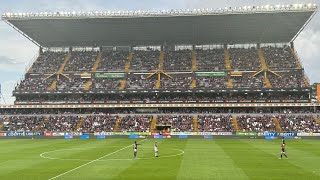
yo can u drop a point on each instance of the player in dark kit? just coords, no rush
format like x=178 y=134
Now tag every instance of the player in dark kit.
x=135 y=149
x=283 y=149
x=282 y=141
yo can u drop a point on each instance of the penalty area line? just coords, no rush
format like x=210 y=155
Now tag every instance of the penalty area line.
x=71 y=170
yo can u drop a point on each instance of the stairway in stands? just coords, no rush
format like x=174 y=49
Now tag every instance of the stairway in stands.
x=264 y=68
x=153 y=124
x=228 y=66
x=123 y=82
x=316 y=119
x=194 y=84
x=235 y=123
x=80 y=123
x=160 y=68
x=276 y=122
x=128 y=63
x=88 y=84
x=227 y=59
x=1 y=123
x=230 y=83
x=116 y=126
x=53 y=85
x=195 y=124
x=194 y=61
x=97 y=62
x=40 y=127
x=63 y=65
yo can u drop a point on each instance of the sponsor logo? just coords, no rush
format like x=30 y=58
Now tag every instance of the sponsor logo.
x=15 y=134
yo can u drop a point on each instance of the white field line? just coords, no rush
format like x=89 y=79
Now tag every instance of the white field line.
x=86 y=160
x=90 y=162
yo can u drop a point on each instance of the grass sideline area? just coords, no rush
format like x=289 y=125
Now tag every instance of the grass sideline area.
x=179 y=159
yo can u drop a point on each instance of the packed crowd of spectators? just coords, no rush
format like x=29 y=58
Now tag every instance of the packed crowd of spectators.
x=61 y=123
x=48 y=62
x=300 y=123
x=215 y=123
x=70 y=84
x=179 y=60
x=286 y=81
x=113 y=61
x=212 y=82
x=279 y=58
x=81 y=61
x=99 y=123
x=34 y=84
x=176 y=83
x=145 y=60
x=246 y=81
x=135 y=124
x=210 y=60
x=105 y=84
x=179 y=123
x=24 y=123
x=248 y=123
x=140 y=83
x=244 y=59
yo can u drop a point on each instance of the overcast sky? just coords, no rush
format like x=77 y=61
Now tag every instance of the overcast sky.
x=17 y=53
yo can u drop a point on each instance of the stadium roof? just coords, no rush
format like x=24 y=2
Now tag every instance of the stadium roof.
x=264 y=24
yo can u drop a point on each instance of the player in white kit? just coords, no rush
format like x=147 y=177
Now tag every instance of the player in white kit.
x=155 y=146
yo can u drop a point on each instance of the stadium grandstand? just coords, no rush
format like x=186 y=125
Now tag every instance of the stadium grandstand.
x=174 y=94
x=194 y=70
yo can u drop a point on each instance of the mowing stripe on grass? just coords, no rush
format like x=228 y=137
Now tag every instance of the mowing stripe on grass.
x=204 y=159
x=300 y=153
x=91 y=161
x=256 y=163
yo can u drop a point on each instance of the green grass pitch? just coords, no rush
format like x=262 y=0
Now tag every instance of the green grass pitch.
x=179 y=159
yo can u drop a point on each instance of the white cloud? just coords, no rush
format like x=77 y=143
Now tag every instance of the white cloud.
x=6 y=90
x=308 y=47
